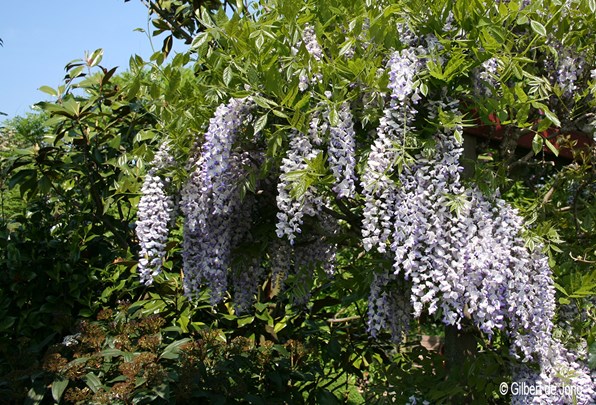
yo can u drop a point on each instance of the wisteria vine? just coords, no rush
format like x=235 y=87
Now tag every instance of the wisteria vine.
x=455 y=252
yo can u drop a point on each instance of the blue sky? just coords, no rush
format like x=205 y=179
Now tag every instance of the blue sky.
x=41 y=36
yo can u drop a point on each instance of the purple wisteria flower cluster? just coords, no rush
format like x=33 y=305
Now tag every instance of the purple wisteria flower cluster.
x=211 y=202
x=389 y=306
x=569 y=69
x=461 y=252
x=486 y=77
x=311 y=74
x=292 y=208
x=246 y=279
x=297 y=201
x=561 y=379
x=377 y=183
x=154 y=215
x=425 y=235
x=341 y=151
x=311 y=43
x=300 y=260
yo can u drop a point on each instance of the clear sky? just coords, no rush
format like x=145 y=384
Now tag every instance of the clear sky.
x=41 y=36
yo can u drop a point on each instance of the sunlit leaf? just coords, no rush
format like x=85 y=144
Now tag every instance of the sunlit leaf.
x=538 y=28
x=49 y=90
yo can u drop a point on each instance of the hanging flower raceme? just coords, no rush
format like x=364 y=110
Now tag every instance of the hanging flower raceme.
x=463 y=253
x=310 y=42
x=425 y=233
x=341 y=151
x=292 y=208
x=246 y=279
x=567 y=75
x=378 y=187
x=486 y=77
x=211 y=202
x=562 y=379
x=389 y=306
x=154 y=215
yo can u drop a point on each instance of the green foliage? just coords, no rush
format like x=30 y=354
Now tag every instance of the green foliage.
x=61 y=243
x=67 y=242
x=24 y=131
x=135 y=354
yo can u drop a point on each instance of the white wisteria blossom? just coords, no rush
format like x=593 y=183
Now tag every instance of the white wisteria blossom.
x=443 y=240
x=486 y=77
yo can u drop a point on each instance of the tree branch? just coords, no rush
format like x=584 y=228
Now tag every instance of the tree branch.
x=173 y=25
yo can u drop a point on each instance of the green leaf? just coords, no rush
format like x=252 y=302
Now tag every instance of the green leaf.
x=302 y=102
x=551 y=147
x=245 y=321
x=435 y=70
x=167 y=45
x=259 y=42
x=280 y=114
x=36 y=393
x=260 y=123
x=333 y=117
x=93 y=382
x=561 y=289
x=49 y=90
x=459 y=136
x=200 y=39
x=346 y=47
x=172 y=351
x=538 y=28
x=537 y=144
x=279 y=326
x=58 y=388
x=134 y=88
x=264 y=102
x=592 y=5
x=183 y=321
x=95 y=58
x=227 y=75
x=205 y=17
x=112 y=352
x=564 y=301
x=592 y=356
x=7 y=322
x=552 y=117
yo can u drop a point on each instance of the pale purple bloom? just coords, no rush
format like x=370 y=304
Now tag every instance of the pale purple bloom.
x=310 y=42
x=562 y=379
x=486 y=77
x=303 y=82
x=211 y=202
x=341 y=153
x=246 y=280
x=378 y=187
x=291 y=207
x=154 y=216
